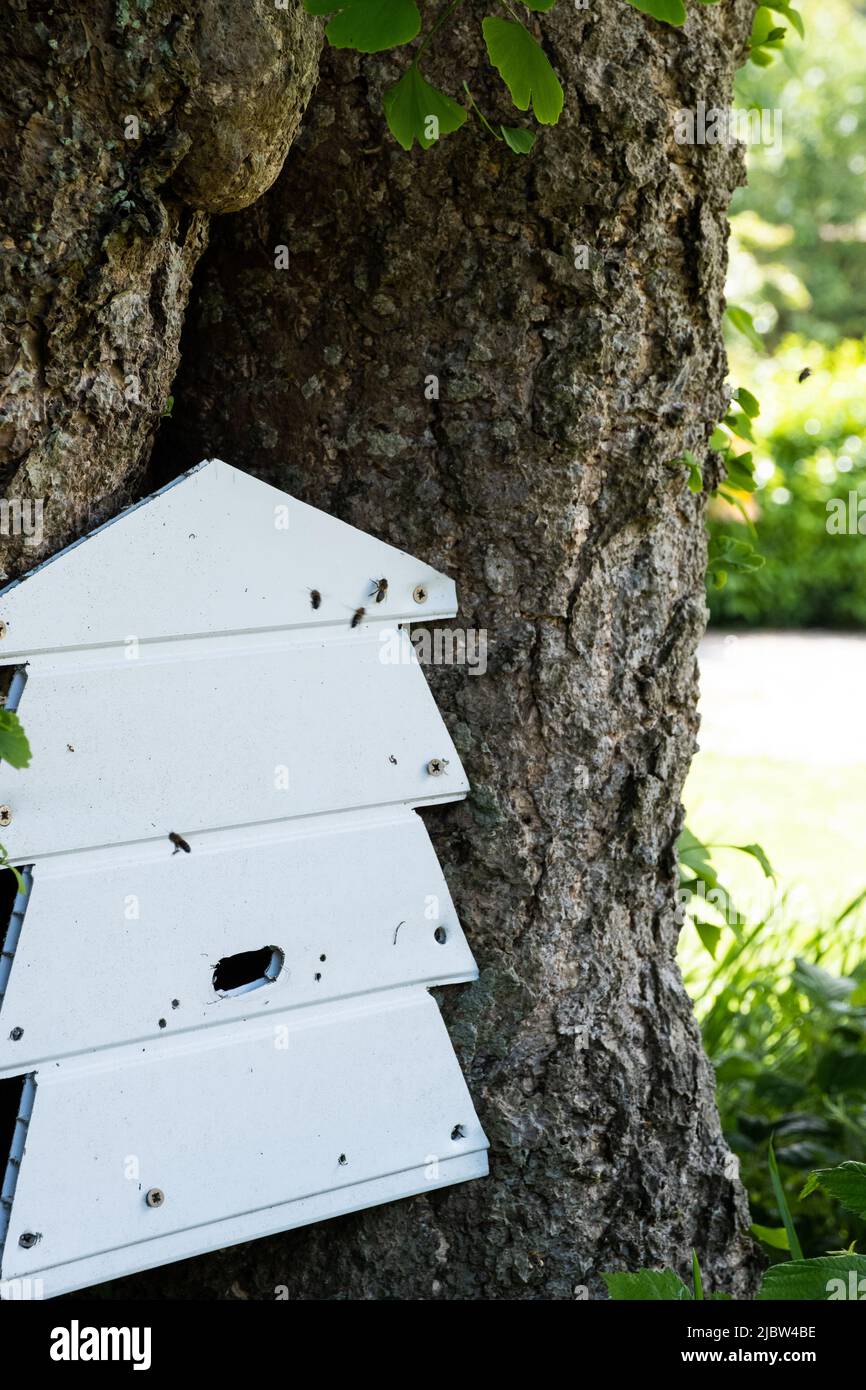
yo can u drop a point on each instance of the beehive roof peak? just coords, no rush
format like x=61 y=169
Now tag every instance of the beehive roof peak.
x=216 y=551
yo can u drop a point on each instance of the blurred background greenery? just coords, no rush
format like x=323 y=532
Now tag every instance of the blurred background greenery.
x=782 y=1001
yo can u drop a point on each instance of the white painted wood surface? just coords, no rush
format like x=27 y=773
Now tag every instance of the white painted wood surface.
x=180 y=680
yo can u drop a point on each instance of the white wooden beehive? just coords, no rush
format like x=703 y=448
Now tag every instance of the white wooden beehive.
x=178 y=679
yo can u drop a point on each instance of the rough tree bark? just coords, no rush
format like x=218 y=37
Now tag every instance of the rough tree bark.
x=122 y=126
x=539 y=478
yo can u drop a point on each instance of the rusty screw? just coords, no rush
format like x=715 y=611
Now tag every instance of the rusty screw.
x=437 y=766
x=17 y=1034
x=5 y=815
x=155 y=1197
x=419 y=593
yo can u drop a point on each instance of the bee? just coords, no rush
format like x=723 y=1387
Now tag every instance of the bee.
x=179 y=843
x=380 y=589
x=315 y=598
x=392 y=759
x=357 y=616
x=805 y=374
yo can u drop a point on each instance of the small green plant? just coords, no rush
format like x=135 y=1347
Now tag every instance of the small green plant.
x=838 y=1274
x=15 y=750
x=700 y=889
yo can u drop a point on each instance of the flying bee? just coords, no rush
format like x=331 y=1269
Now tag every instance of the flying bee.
x=805 y=374
x=357 y=616
x=380 y=589
x=179 y=843
x=315 y=598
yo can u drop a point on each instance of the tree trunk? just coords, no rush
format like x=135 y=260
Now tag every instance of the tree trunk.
x=540 y=479
x=535 y=470
x=122 y=126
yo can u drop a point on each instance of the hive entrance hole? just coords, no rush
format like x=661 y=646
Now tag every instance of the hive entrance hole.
x=247 y=970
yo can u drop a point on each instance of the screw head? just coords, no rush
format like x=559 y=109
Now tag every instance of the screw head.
x=17 y=1034
x=5 y=815
x=3 y=629
x=28 y=1239
x=155 y=1197
x=437 y=766
x=420 y=593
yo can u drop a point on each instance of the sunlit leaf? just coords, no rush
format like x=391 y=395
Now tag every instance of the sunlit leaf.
x=524 y=68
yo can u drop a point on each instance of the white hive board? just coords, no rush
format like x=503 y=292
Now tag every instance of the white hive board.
x=243 y=1136
x=113 y=940
x=179 y=679
x=193 y=736
x=214 y=552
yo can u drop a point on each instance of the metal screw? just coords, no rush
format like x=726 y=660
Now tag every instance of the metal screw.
x=458 y=1132
x=440 y=935
x=419 y=593
x=5 y=815
x=155 y=1197
x=28 y=1239
x=3 y=630
x=437 y=766
x=17 y=1034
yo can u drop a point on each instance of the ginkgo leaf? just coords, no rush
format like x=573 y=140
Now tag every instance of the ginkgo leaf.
x=415 y=110
x=669 y=11
x=517 y=139
x=541 y=6
x=370 y=26
x=524 y=68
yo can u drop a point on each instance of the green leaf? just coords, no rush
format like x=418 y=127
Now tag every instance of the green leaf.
x=416 y=111
x=739 y=424
x=4 y=864
x=784 y=1210
x=696 y=857
x=758 y=853
x=800 y=1279
x=747 y=401
x=819 y=985
x=774 y=1236
x=847 y=1183
x=742 y=320
x=541 y=6
x=14 y=747
x=517 y=139
x=370 y=26
x=648 y=1284
x=793 y=16
x=719 y=440
x=524 y=68
x=709 y=935
x=669 y=11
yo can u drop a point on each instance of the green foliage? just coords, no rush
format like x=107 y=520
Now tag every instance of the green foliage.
x=700 y=890
x=409 y=106
x=799 y=244
x=524 y=68
x=647 y=1284
x=414 y=108
x=797 y=1280
x=809 y=467
x=370 y=26
x=788 y=1042
x=14 y=747
x=847 y=1184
